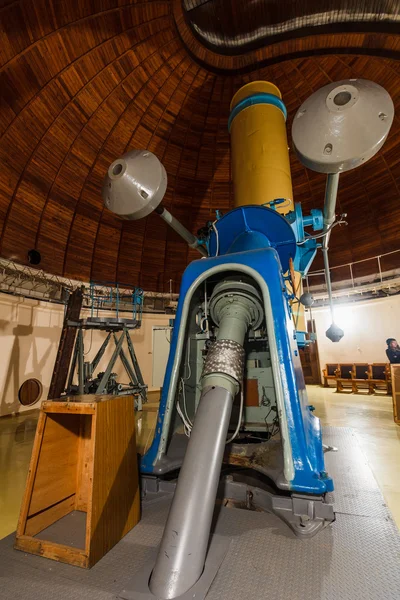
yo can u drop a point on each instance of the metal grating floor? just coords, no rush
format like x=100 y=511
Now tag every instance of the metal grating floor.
x=357 y=558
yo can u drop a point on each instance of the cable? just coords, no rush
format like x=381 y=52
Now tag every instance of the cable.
x=216 y=238
x=188 y=425
x=187 y=428
x=184 y=403
x=240 y=417
x=205 y=318
x=274 y=425
x=187 y=364
x=90 y=347
x=324 y=233
x=285 y=204
x=265 y=401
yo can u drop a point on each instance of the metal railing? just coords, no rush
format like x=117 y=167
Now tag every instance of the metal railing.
x=22 y=280
x=375 y=281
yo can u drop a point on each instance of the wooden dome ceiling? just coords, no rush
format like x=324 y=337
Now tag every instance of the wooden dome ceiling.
x=83 y=82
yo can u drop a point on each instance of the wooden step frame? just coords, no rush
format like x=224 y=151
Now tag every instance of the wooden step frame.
x=83 y=459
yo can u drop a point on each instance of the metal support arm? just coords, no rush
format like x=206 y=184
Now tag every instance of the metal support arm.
x=180 y=229
x=334 y=333
x=332 y=182
x=101 y=389
x=100 y=353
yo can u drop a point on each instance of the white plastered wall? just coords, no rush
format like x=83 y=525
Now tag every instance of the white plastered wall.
x=366 y=327
x=29 y=335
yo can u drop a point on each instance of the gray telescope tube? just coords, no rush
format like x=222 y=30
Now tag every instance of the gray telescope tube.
x=183 y=548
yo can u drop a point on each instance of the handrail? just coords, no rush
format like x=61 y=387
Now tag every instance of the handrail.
x=355 y=262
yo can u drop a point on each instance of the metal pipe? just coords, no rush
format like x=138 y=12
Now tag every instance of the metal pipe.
x=331 y=189
x=183 y=548
x=328 y=281
x=180 y=229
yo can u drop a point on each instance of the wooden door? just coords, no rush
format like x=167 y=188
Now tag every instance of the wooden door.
x=310 y=359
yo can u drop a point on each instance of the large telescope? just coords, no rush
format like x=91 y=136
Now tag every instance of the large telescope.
x=233 y=389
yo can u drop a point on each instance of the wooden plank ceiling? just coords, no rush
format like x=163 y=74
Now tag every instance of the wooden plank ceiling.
x=83 y=82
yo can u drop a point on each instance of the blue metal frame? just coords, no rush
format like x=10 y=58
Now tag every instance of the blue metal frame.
x=307 y=248
x=304 y=427
x=301 y=340
x=108 y=295
x=252 y=227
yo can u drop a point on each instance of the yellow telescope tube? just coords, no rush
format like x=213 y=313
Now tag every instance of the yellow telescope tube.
x=260 y=155
x=259 y=148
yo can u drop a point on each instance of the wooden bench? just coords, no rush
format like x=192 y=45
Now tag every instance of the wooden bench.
x=361 y=378
x=353 y=377
x=344 y=377
x=329 y=373
x=380 y=377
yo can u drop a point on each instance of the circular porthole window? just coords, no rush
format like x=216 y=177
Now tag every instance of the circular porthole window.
x=30 y=392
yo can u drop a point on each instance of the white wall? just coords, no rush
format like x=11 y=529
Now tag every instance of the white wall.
x=29 y=335
x=366 y=327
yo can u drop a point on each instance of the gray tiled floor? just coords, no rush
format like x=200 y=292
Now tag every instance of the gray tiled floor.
x=358 y=557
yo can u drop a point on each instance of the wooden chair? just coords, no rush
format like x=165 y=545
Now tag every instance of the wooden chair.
x=329 y=373
x=361 y=378
x=344 y=377
x=380 y=377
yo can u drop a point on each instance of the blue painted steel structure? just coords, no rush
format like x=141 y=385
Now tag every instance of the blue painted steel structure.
x=260 y=242
x=303 y=427
x=115 y=297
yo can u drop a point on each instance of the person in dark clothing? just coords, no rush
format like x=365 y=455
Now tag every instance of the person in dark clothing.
x=393 y=351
